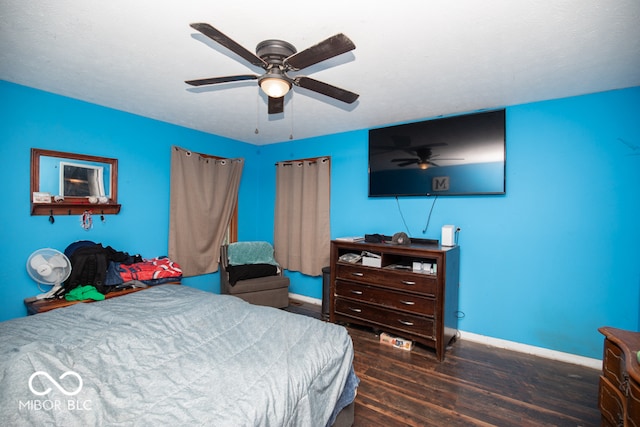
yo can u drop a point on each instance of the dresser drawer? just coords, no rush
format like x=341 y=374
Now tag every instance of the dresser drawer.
x=403 y=280
x=610 y=402
x=386 y=298
x=613 y=364
x=633 y=403
x=412 y=324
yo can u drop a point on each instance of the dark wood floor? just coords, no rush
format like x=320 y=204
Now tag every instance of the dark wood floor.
x=476 y=385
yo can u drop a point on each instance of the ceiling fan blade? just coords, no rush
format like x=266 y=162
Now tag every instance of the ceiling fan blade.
x=276 y=105
x=227 y=42
x=408 y=163
x=333 y=46
x=216 y=80
x=326 y=89
x=405 y=160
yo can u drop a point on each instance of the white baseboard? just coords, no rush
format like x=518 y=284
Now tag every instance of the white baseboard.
x=500 y=343
x=303 y=298
x=536 y=351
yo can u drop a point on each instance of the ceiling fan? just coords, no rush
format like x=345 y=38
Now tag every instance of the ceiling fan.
x=423 y=156
x=277 y=58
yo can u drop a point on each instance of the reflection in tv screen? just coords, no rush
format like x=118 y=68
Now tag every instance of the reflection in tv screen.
x=459 y=155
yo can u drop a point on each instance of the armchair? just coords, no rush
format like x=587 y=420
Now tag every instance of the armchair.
x=249 y=271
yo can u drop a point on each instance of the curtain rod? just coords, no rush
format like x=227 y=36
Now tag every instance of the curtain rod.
x=207 y=156
x=309 y=160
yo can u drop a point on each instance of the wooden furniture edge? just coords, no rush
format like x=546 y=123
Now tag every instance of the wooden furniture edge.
x=36 y=306
x=623 y=339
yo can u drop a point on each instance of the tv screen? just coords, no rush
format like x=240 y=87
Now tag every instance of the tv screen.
x=459 y=155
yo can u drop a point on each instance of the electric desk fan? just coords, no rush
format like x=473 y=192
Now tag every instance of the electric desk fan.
x=48 y=267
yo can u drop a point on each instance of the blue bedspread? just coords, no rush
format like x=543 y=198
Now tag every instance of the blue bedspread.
x=172 y=355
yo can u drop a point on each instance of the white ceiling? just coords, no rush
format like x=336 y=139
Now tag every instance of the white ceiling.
x=414 y=59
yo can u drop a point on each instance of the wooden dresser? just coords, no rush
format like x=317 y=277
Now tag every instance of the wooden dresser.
x=619 y=393
x=413 y=293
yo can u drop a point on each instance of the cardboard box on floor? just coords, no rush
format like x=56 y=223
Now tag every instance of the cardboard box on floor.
x=396 y=342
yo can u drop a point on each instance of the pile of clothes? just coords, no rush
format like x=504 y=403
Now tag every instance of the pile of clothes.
x=106 y=269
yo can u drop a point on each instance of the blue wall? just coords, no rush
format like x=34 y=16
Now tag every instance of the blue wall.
x=546 y=264
x=32 y=118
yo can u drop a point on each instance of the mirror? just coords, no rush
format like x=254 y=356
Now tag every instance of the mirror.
x=70 y=183
x=74 y=179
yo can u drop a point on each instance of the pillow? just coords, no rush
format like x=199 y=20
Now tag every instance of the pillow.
x=241 y=253
x=250 y=271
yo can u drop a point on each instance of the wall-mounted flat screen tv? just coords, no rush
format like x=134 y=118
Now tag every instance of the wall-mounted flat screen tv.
x=452 y=156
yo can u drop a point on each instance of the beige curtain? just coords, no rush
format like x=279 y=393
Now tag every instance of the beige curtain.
x=204 y=191
x=302 y=226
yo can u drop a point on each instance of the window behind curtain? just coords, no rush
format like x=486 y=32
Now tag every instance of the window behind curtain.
x=204 y=194
x=302 y=225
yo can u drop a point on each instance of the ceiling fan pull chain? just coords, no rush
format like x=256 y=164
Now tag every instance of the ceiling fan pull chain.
x=257 y=111
x=291 y=134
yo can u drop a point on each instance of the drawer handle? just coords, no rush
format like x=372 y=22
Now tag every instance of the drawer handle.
x=355 y=310
x=356 y=292
x=405 y=322
x=357 y=274
x=408 y=282
x=407 y=302
x=624 y=385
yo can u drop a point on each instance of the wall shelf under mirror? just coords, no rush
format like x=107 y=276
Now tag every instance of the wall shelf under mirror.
x=70 y=183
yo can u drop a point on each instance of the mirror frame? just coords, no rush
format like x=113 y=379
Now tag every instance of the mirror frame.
x=72 y=205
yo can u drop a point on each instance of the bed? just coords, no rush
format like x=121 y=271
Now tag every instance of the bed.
x=175 y=355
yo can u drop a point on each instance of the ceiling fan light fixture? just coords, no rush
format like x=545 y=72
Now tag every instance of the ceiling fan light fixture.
x=423 y=165
x=275 y=86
